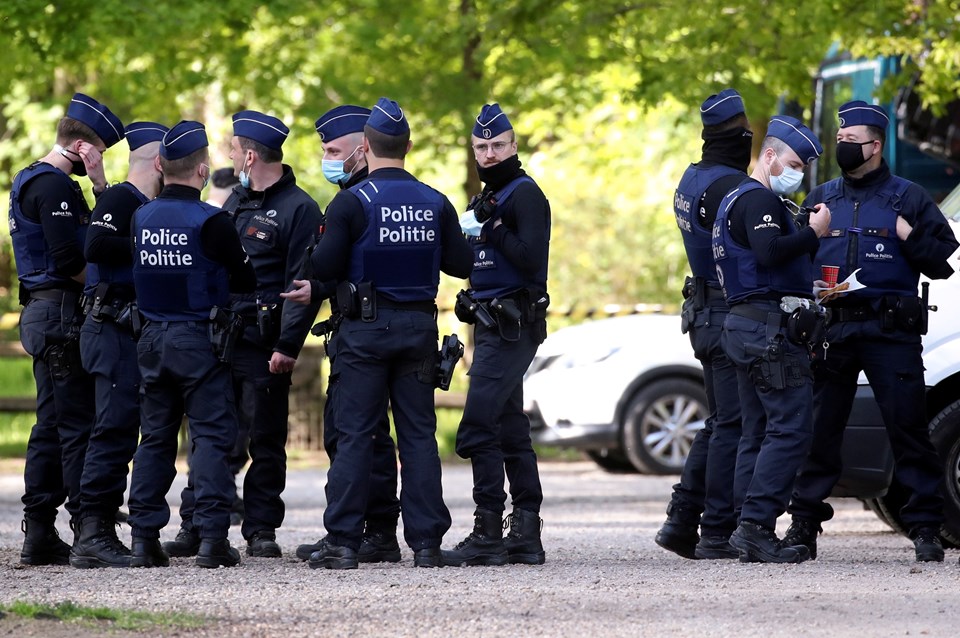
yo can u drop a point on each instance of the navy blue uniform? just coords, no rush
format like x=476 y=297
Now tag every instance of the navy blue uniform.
x=510 y=263
x=187 y=259
x=383 y=506
x=275 y=227
x=108 y=348
x=706 y=484
x=877 y=330
x=48 y=222
x=399 y=234
x=761 y=256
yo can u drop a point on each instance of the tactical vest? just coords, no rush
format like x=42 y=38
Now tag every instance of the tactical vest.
x=741 y=275
x=493 y=274
x=399 y=251
x=864 y=235
x=686 y=208
x=174 y=280
x=35 y=266
x=122 y=276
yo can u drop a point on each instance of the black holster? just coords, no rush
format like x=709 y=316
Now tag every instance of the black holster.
x=451 y=350
x=225 y=327
x=767 y=369
x=63 y=359
x=903 y=313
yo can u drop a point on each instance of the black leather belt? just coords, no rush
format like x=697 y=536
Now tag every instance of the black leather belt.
x=428 y=307
x=863 y=313
x=760 y=314
x=51 y=295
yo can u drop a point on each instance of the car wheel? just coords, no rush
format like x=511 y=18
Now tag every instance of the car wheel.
x=612 y=461
x=660 y=423
x=945 y=435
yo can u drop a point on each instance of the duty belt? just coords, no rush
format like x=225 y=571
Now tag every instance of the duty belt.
x=759 y=314
x=428 y=307
x=861 y=313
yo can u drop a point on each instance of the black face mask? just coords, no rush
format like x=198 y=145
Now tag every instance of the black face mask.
x=77 y=167
x=730 y=148
x=501 y=173
x=850 y=155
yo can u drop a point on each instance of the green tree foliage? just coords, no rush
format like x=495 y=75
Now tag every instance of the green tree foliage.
x=578 y=78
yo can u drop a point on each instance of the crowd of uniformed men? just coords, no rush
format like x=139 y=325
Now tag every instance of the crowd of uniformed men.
x=781 y=370
x=156 y=304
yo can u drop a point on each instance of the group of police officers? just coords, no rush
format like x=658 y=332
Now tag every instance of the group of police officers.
x=157 y=305
x=781 y=365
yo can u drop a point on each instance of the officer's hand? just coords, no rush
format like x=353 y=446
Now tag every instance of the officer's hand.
x=280 y=363
x=93 y=160
x=300 y=293
x=903 y=228
x=820 y=220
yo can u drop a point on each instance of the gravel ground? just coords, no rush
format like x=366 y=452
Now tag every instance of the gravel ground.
x=604 y=576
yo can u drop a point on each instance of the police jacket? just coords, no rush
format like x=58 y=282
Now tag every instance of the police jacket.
x=48 y=223
x=187 y=257
x=515 y=254
x=107 y=247
x=759 y=250
x=695 y=216
x=276 y=226
x=863 y=234
x=380 y=231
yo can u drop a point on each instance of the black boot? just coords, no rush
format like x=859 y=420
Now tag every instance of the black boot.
x=379 y=547
x=98 y=546
x=802 y=532
x=187 y=543
x=147 y=552
x=484 y=545
x=216 y=552
x=333 y=556
x=42 y=544
x=759 y=544
x=304 y=551
x=523 y=540
x=263 y=544
x=715 y=548
x=678 y=533
x=929 y=549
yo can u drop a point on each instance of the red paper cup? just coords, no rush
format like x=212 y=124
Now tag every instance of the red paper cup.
x=829 y=274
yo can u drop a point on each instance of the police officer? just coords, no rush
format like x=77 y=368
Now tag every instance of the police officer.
x=344 y=164
x=706 y=484
x=276 y=221
x=387 y=238
x=762 y=256
x=889 y=229
x=108 y=349
x=48 y=223
x=187 y=261
x=509 y=228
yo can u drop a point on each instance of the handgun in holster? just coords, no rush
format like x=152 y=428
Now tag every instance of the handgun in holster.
x=470 y=311
x=225 y=327
x=451 y=351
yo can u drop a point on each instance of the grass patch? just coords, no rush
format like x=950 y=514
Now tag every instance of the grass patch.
x=16 y=377
x=14 y=432
x=92 y=616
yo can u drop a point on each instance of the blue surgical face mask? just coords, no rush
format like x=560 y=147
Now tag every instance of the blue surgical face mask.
x=787 y=182
x=333 y=169
x=243 y=177
x=469 y=224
